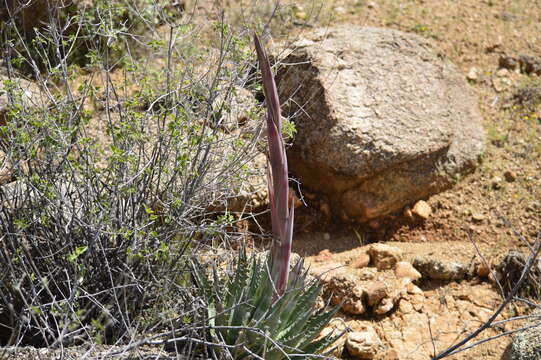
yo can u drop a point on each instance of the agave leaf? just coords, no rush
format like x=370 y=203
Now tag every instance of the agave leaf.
x=300 y=296
x=319 y=345
x=201 y=279
x=264 y=295
x=236 y=296
x=203 y=283
x=239 y=280
x=315 y=325
x=219 y=314
x=301 y=313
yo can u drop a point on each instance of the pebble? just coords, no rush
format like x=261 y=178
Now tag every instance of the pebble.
x=502 y=73
x=473 y=74
x=384 y=256
x=364 y=344
x=300 y=15
x=413 y=289
x=508 y=62
x=323 y=255
x=501 y=83
x=422 y=209
x=439 y=270
x=353 y=305
x=407 y=213
x=371 y=5
x=361 y=261
x=482 y=269
x=510 y=176
x=375 y=291
x=497 y=182
x=477 y=217
x=386 y=305
x=404 y=269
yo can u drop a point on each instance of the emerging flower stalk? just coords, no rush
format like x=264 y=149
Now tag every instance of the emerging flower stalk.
x=261 y=309
x=282 y=209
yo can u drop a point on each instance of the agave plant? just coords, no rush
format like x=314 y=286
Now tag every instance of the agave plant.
x=265 y=310
x=244 y=314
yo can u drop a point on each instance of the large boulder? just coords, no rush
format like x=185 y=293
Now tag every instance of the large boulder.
x=382 y=119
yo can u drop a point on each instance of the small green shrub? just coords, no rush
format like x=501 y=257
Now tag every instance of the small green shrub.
x=110 y=191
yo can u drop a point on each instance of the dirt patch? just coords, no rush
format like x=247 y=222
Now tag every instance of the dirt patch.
x=413 y=317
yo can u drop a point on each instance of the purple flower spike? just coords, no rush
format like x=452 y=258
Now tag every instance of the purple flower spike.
x=277 y=178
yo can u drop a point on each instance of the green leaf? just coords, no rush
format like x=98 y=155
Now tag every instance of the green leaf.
x=80 y=250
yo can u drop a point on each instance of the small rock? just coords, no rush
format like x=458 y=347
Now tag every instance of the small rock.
x=510 y=176
x=501 y=83
x=502 y=73
x=383 y=256
x=439 y=270
x=497 y=182
x=367 y=273
x=375 y=291
x=407 y=213
x=329 y=272
x=342 y=290
x=323 y=255
x=530 y=64
x=404 y=269
x=390 y=354
x=422 y=209
x=477 y=217
x=327 y=236
x=371 y=5
x=386 y=305
x=361 y=261
x=413 y=289
x=417 y=302
x=406 y=307
x=340 y=10
x=353 y=304
x=482 y=269
x=473 y=74
x=364 y=345
x=508 y=62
